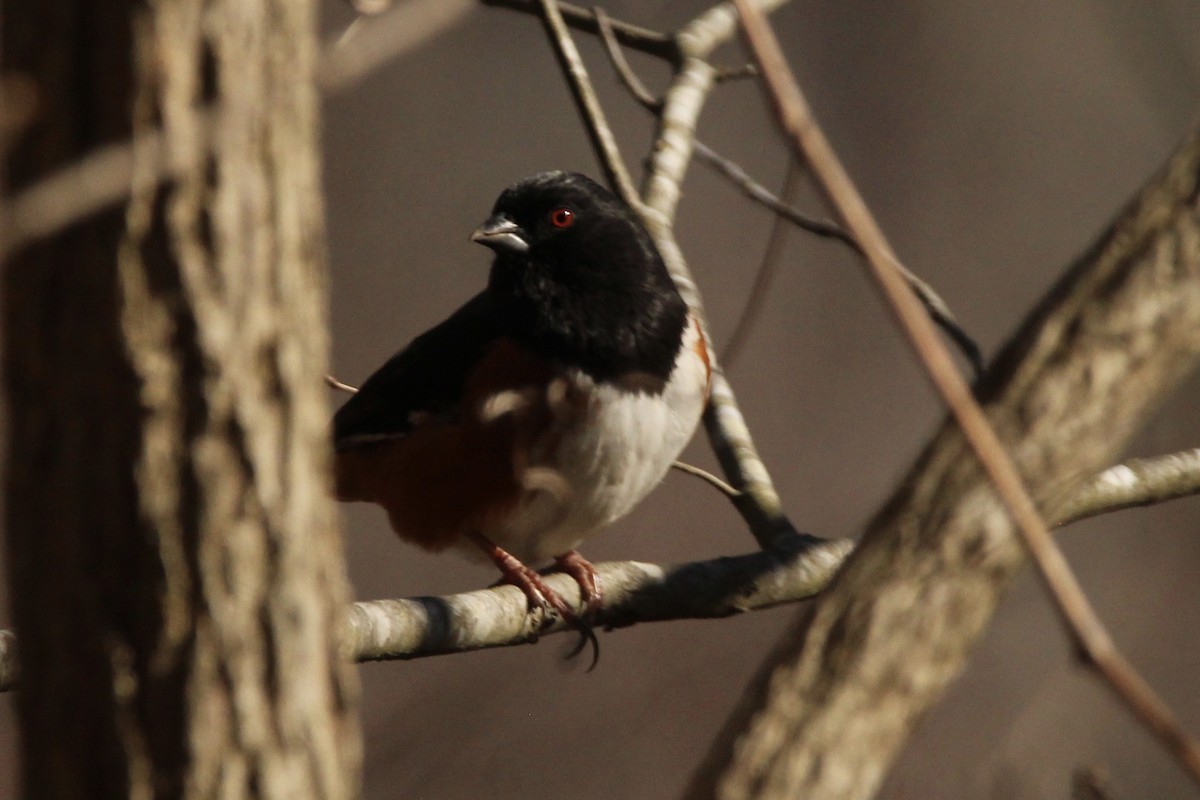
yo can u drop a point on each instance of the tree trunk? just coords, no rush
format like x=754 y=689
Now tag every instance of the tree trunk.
x=176 y=578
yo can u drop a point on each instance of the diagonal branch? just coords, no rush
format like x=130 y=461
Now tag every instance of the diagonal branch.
x=105 y=177
x=632 y=36
x=934 y=305
x=730 y=437
x=673 y=146
x=634 y=592
x=599 y=132
x=760 y=289
x=1165 y=364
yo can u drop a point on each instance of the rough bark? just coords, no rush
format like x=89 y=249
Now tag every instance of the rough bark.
x=175 y=574
x=836 y=701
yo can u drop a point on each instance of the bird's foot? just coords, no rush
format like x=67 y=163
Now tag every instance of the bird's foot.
x=584 y=573
x=541 y=596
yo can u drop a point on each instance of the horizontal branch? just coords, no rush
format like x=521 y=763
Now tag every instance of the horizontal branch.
x=632 y=36
x=1134 y=483
x=796 y=568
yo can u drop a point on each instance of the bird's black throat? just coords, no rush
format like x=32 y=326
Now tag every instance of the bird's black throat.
x=610 y=319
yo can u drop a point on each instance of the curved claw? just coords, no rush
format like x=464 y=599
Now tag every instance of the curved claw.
x=540 y=595
x=586 y=636
x=584 y=573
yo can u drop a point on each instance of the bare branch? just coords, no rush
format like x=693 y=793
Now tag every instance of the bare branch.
x=633 y=592
x=77 y=191
x=712 y=480
x=588 y=104
x=1136 y=482
x=797 y=568
x=736 y=73
x=934 y=305
x=382 y=38
x=616 y=56
x=641 y=39
x=673 y=146
x=1152 y=357
x=334 y=383
x=766 y=267
x=734 y=172
x=105 y=177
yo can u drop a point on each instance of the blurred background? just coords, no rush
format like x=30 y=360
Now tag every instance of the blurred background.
x=993 y=145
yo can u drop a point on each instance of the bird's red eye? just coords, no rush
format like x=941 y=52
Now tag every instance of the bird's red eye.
x=562 y=217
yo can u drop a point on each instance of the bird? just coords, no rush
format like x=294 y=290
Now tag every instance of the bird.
x=543 y=409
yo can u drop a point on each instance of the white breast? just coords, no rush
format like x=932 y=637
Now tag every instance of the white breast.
x=610 y=448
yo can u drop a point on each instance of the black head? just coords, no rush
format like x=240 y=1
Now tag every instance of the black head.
x=580 y=277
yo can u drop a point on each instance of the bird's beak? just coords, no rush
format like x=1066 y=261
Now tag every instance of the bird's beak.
x=501 y=234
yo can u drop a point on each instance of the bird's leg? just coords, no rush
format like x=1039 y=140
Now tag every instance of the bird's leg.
x=584 y=573
x=540 y=595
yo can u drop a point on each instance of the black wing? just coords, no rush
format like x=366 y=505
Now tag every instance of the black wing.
x=424 y=379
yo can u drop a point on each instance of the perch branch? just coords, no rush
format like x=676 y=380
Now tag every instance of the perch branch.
x=796 y=569
x=633 y=592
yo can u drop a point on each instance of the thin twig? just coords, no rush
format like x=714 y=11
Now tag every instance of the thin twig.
x=712 y=480
x=736 y=73
x=588 y=104
x=727 y=430
x=1094 y=640
x=632 y=36
x=766 y=269
x=616 y=56
x=734 y=172
x=934 y=305
x=334 y=383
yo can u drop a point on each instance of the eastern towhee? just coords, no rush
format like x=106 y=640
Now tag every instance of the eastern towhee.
x=547 y=406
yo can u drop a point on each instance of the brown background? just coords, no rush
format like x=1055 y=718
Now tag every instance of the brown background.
x=993 y=141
